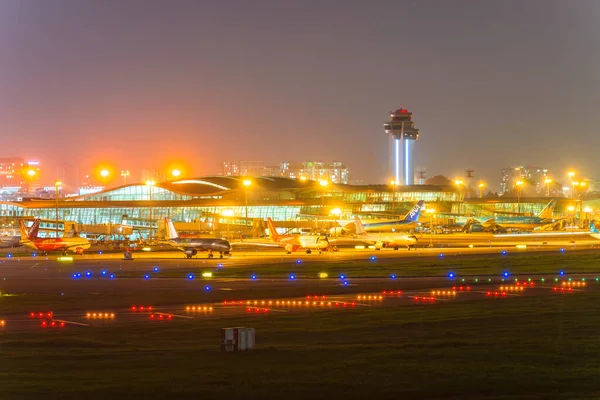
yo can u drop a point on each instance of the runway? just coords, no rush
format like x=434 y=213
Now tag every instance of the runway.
x=171 y=284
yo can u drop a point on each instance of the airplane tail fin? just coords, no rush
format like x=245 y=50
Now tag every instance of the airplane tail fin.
x=547 y=212
x=413 y=214
x=23 y=230
x=272 y=231
x=33 y=231
x=360 y=229
x=171 y=231
x=593 y=228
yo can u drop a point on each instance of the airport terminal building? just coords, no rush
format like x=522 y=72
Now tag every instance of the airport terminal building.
x=206 y=203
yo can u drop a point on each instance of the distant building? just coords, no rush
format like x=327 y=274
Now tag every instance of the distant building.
x=534 y=177
x=11 y=172
x=335 y=171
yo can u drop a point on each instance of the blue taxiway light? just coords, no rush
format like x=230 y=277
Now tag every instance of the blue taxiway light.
x=562 y=273
x=441 y=255
x=253 y=277
x=88 y=274
x=345 y=283
x=342 y=276
x=298 y=261
x=190 y=276
x=562 y=250
x=146 y=277
x=292 y=277
x=155 y=269
x=103 y=272
x=506 y=274
x=504 y=252
x=393 y=276
x=207 y=288
x=451 y=275
x=111 y=276
x=373 y=258
x=219 y=265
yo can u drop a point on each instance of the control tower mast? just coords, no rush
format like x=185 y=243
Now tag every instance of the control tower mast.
x=402 y=130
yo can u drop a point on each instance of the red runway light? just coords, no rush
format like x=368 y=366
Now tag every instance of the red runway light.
x=151 y=316
x=53 y=324
x=32 y=315
x=62 y=324
x=353 y=304
x=44 y=324
x=469 y=288
x=489 y=293
x=570 y=289
x=41 y=315
x=133 y=308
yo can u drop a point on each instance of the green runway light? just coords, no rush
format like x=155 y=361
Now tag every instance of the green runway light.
x=555 y=279
x=463 y=279
x=516 y=279
x=476 y=280
x=596 y=279
x=583 y=279
x=542 y=279
x=569 y=279
x=490 y=279
x=528 y=279
x=502 y=279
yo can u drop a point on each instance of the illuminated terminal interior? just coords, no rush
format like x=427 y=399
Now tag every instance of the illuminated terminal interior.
x=193 y=203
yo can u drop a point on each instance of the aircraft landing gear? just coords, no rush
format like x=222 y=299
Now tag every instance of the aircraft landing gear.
x=210 y=254
x=308 y=251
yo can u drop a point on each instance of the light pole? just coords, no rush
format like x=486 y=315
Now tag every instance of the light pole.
x=394 y=184
x=150 y=185
x=571 y=174
x=104 y=174
x=588 y=212
x=518 y=184
x=458 y=184
x=336 y=212
x=57 y=185
x=323 y=183
x=125 y=174
x=571 y=209
x=228 y=214
x=176 y=173
x=548 y=181
x=481 y=186
x=247 y=183
x=431 y=212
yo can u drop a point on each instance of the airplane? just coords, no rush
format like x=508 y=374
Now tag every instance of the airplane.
x=408 y=223
x=30 y=239
x=386 y=240
x=191 y=246
x=292 y=243
x=9 y=241
x=542 y=221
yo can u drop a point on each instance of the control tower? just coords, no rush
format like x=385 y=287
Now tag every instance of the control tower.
x=403 y=136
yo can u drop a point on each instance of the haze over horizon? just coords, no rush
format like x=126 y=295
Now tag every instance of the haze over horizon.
x=143 y=84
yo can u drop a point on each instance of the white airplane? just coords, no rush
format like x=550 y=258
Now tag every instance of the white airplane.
x=384 y=240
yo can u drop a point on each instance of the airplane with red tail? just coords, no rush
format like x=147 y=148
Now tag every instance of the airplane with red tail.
x=30 y=239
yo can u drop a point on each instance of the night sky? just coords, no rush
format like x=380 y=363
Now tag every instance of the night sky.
x=143 y=84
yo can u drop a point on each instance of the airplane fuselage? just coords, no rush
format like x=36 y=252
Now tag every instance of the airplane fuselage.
x=58 y=244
